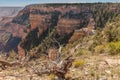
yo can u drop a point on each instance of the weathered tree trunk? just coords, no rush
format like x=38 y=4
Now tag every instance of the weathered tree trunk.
x=58 y=69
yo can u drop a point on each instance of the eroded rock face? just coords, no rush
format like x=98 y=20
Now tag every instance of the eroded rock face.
x=88 y=30
x=45 y=17
x=21 y=52
x=67 y=26
x=8 y=42
x=4 y=39
x=68 y=19
x=15 y=32
x=9 y=32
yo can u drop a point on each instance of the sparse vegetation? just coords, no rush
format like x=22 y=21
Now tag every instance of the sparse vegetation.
x=114 y=48
x=51 y=77
x=82 y=52
x=79 y=63
x=47 y=49
x=100 y=49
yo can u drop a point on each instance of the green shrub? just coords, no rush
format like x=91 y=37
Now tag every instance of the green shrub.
x=112 y=30
x=111 y=48
x=100 y=49
x=82 y=52
x=64 y=49
x=114 y=48
x=107 y=37
x=51 y=77
x=79 y=63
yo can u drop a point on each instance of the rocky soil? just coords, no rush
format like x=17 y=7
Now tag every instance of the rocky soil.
x=92 y=67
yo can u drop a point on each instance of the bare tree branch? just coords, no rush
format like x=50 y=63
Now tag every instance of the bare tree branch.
x=58 y=69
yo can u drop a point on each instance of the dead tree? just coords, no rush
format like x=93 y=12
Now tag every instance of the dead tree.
x=58 y=69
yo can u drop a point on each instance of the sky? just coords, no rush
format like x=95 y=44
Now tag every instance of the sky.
x=27 y=2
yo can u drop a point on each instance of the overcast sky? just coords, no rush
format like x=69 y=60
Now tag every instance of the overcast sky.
x=27 y=2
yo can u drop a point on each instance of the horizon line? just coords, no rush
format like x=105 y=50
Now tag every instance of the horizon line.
x=59 y=3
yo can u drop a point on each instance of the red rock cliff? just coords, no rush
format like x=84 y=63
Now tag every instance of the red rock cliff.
x=66 y=18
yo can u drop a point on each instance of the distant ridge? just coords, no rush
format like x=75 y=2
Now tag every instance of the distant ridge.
x=9 y=11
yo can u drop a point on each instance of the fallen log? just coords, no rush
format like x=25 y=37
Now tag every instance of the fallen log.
x=5 y=64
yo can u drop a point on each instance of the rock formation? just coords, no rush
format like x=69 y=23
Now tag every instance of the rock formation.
x=35 y=22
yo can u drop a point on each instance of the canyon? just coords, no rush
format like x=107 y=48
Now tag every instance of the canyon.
x=7 y=41
x=60 y=41
x=35 y=22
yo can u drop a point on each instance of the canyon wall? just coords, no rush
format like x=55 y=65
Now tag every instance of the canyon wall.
x=35 y=22
x=7 y=29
